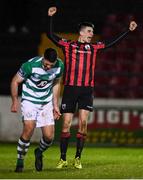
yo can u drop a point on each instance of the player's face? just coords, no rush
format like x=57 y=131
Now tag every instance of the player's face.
x=47 y=64
x=86 y=34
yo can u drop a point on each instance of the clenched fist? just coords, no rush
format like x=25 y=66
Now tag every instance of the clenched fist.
x=52 y=11
x=132 y=26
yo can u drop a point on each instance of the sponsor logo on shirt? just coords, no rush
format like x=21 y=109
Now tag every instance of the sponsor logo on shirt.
x=42 y=84
x=84 y=52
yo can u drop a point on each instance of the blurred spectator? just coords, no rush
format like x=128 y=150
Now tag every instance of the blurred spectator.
x=16 y=14
x=107 y=32
x=111 y=19
x=139 y=55
x=110 y=27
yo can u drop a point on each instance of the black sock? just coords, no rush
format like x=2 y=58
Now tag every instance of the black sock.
x=79 y=144
x=64 y=144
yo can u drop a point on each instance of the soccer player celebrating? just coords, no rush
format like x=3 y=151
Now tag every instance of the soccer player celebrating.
x=39 y=105
x=79 y=79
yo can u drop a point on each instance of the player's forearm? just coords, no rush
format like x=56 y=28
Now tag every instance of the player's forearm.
x=14 y=91
x=50 y=33
x=14 y=88
x=56 y=94
x=117 y=39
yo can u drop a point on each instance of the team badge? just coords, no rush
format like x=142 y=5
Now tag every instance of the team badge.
x=36 y=76
x=64 y=40
x=87 y=46
x=63 y=106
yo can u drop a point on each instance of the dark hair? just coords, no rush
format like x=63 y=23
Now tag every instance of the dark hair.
x=84 y=24
x=50 y=54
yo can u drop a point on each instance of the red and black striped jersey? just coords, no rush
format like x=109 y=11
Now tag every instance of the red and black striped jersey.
x=80 y=62
x=80 y=58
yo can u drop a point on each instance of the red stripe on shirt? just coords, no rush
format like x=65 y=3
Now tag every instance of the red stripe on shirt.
x=73 y=66
x=67 y=63
x=87 y=69
x=80 y=70
x=93 y=68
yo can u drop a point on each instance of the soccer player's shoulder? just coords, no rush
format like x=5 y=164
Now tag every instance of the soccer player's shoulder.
x=34 y=59
x=99 y=42
x=60 y=62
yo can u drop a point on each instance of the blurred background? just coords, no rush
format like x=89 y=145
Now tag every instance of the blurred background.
x=118 y=117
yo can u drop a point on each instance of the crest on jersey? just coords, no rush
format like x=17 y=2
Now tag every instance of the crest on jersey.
x=63 y=106
x=36 y=76
x=64 y=40
x=87 y=46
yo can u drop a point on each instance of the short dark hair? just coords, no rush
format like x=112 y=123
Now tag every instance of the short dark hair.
x=50 y=54
x=84 y=24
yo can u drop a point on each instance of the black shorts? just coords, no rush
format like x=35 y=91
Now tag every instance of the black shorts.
x=77 y=97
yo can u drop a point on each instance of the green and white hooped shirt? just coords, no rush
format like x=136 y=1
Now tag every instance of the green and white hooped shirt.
x=38 y=83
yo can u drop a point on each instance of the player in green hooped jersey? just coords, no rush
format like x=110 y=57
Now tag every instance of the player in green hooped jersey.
x=40 y=78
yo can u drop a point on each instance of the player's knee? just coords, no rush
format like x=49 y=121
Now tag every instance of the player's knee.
x=67 y=125
x=27 y=134
x=28 y=131
x=29 y=126
x=49 y=137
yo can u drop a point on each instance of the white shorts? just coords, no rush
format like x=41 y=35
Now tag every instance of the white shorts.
x=42 y=114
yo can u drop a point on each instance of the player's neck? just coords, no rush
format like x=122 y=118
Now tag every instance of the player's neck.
x=81 y=40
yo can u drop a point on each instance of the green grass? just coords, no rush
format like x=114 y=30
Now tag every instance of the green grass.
x=97 y=163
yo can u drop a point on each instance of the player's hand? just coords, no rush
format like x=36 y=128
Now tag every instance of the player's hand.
x=14 y=107
x=56 y=113
x=52 y=11
x=132 y=26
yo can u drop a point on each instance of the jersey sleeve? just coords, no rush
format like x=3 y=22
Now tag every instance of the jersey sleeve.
x=61 y=65
x=52 y=36
x=25 y=70
x=100 y=45
x=109 y=43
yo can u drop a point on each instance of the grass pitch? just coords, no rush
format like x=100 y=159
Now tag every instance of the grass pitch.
x=98 y=163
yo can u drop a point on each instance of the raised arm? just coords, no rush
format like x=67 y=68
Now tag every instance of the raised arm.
x=53 y=37
x=132 y=27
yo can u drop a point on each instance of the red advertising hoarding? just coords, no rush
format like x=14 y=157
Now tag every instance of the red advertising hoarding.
x=115 y=122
